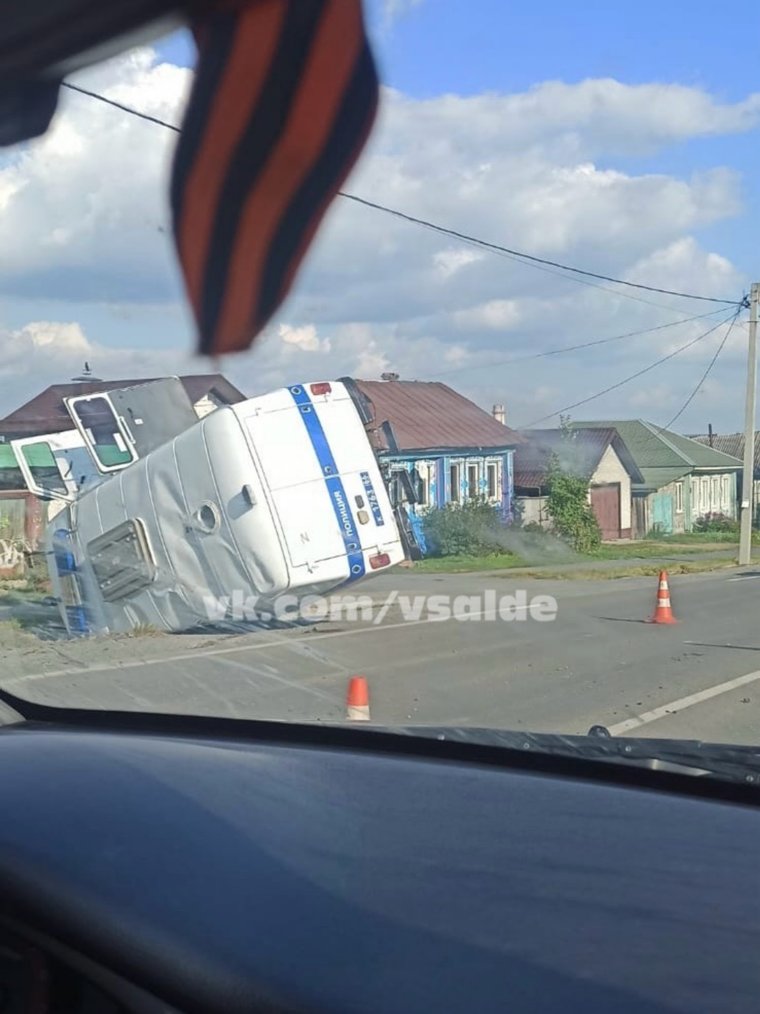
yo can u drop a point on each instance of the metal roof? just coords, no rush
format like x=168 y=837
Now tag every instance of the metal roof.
x=730 y=443
x=581 y=452
x=430 y=416
x=46 y=412
x=661 y=455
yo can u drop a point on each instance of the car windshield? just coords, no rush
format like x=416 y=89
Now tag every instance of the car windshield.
x=491 y=464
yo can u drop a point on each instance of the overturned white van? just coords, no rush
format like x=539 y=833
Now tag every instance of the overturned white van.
x=277 y=494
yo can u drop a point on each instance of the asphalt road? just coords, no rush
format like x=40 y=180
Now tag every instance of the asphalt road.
x=598 y=661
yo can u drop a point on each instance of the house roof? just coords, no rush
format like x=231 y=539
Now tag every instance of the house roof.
x=46 y=412
x=582 y=452
x=730 y=443
x=661 y=455
x=430 y=416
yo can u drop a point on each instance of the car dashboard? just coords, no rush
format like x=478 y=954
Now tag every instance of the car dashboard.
x=152 y=863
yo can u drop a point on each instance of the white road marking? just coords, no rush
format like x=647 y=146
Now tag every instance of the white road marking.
x=684 y=702
x=745 y=577
x=281 y=642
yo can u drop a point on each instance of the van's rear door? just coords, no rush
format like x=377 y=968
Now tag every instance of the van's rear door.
x=124 y=424
x=295 y=476
x=322 y=475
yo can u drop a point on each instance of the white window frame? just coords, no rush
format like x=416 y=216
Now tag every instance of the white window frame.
x=455 y=492
x=422 y=469
x=492 y=467
x=470 y=466
x=679 y=498
x=68 y=450
x=121 y=429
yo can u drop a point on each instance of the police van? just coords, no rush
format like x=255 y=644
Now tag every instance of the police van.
x=279 y=494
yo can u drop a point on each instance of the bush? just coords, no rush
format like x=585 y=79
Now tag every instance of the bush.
x=568 y=507
x=534 y=528
x=716 y=522
x=472 y=528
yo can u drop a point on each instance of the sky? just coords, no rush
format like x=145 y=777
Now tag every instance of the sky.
x=620 y=138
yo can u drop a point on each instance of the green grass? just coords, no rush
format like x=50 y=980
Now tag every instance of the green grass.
x=466 y=564
x=643 y=550
x=13 y=633
x=703 y=538
x=33 y=586
x=631 y=570
x=17 y=596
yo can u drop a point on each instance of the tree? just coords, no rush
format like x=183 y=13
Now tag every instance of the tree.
x=567 y=503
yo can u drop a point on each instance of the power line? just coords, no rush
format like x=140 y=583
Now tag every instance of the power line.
x=633 y=376
x=706 y=374
x=575 y=348
x=530 y=257
x=568 y=278
x=443 y=230
x=119 y=105
x=508 y=256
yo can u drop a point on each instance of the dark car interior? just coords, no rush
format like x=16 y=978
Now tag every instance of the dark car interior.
x=163 y=863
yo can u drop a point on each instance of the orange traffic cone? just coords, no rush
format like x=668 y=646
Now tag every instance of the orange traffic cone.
x=663 y=613
x=357 y=700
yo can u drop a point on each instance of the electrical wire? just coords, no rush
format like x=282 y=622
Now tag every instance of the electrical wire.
x=514 y=259
x=575 y=348
x=633 y=376
x=120 y=105
x=443 y=230
x=530 y=257
x=706 y=374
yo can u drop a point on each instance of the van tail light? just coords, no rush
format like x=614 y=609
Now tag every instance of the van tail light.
x=320 y=388
x=381 y=560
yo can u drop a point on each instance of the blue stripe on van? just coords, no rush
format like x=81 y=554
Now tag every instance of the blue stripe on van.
x=338 y=498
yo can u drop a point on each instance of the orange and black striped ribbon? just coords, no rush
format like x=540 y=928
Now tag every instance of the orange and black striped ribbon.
x=284 y=98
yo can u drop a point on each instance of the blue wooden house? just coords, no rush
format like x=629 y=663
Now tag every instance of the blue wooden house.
x=451 y=448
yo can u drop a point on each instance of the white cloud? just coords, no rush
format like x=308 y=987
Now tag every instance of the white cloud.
x=456 y=354
x=495 y=315
x=55 y=337
x=304 y=338
x=84 y=209
x=450 y=260
x=590 y=116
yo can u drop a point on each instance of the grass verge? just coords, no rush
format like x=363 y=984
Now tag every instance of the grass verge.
x=461 y=564
x=633 y=570
x=646 y=550
x=634 y=551
x=13 y=634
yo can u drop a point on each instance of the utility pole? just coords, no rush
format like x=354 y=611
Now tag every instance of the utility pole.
x=748 y=473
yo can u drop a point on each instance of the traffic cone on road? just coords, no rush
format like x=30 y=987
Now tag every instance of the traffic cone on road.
x=357 y=700
x=663 y=612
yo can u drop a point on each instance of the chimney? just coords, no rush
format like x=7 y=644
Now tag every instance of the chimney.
x=710 y=433
x=499 y=414
x=389 y=376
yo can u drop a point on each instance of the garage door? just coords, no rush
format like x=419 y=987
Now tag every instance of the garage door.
x=605 y=503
